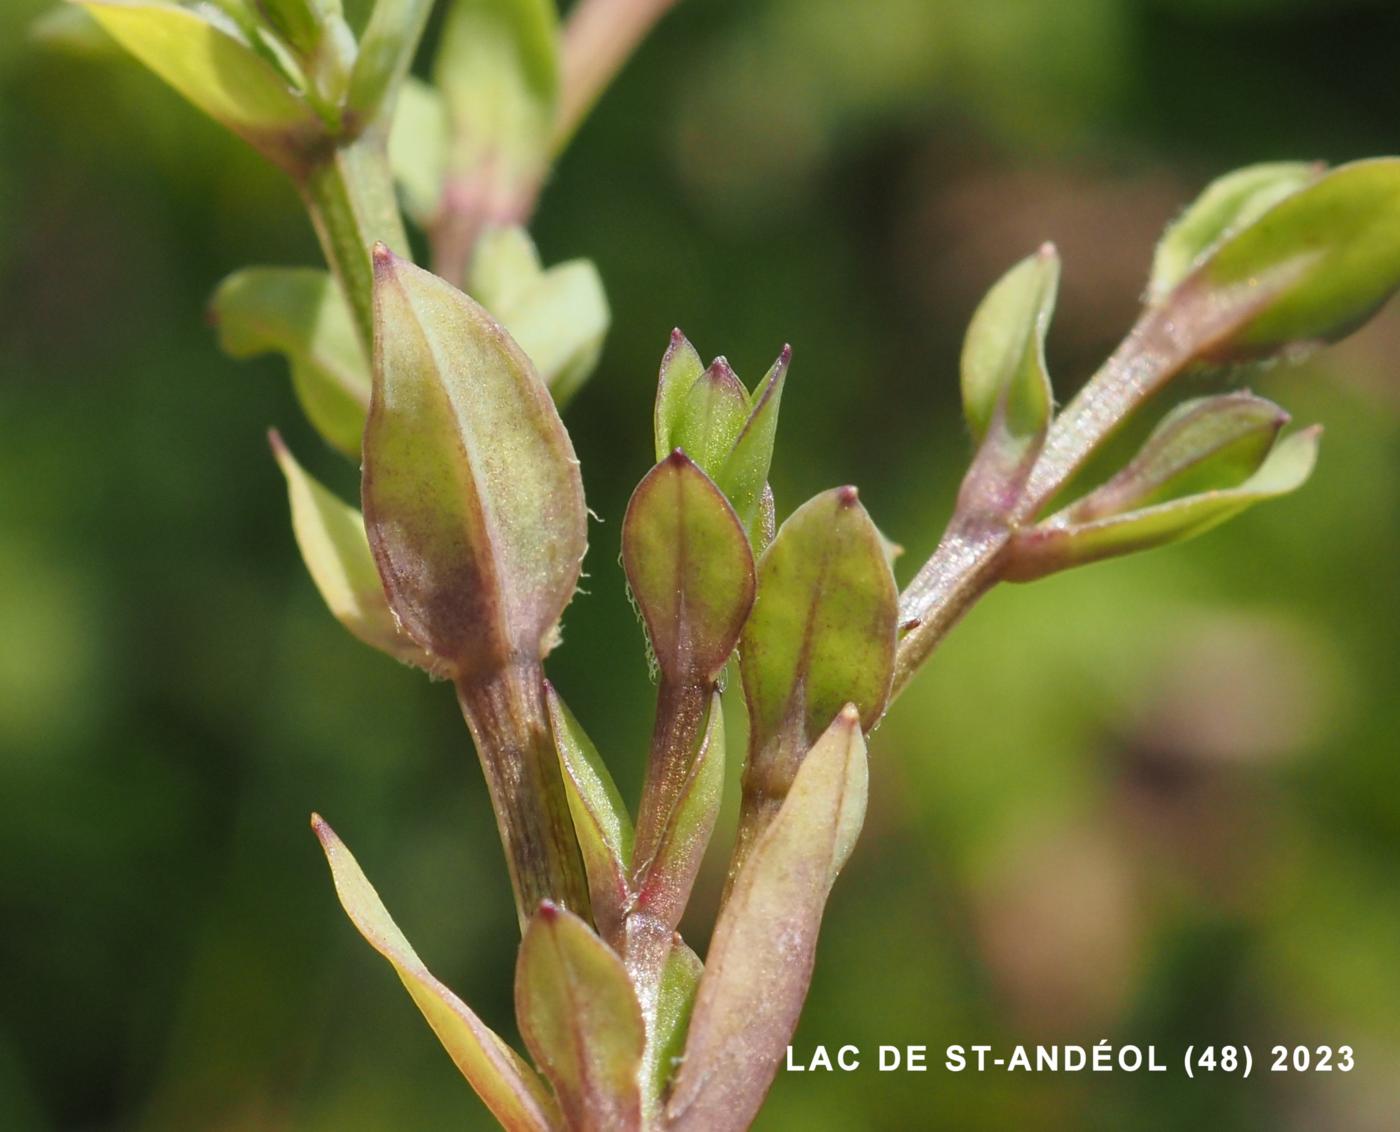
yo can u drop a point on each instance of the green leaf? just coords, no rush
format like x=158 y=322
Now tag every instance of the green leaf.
x=472 y=494
x=301 y=314
x=690 y=568
x=1202 y=445
x=559 y=316
x=822 y=633
x=387 y=47
x=331 y=537
x=580 y=1019
x=1312 y=268
x=712 y=415
x=509 y=1087
x=1003 y=357
x=600 y=818
x=666 y=878
x=744 y=473
x=1059 y=543
x=206 y=59
x=675 y=999
x=418 y=149
x=681 y=368
x=1227 y=205
x=497 y=66
x=761 y=958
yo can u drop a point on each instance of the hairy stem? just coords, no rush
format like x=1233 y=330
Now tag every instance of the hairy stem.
x=968 y=560
x=508 y=720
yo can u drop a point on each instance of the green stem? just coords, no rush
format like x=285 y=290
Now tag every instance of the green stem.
x=350 y=196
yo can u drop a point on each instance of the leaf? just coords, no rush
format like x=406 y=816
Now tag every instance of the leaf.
x=497 y=66
x=822 y=631
x=473 y=500
x=761 y=958
x=675 y=999
x=580 y=1019
x=387 y=46
x=689 y=566
x=1059 y=543
x=331 y=537
x=666 y=879
x=744 y=473
x=1312 y=268
x=508 y=1087
x=712 y=414
x=559 y=316
x=1228 y=204
x=1202 y=445
x=301 y=314
x=1003 y=357
x=681 y=367
x=418 y=148
x=208 y=62
x=600 y=818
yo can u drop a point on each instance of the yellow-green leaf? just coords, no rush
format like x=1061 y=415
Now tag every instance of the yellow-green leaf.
x=207 y=60
x=1227 y=205
x=508 y=1087
x=601 y=820
x=1003 y=357
x=301 y=314
x=331 y=537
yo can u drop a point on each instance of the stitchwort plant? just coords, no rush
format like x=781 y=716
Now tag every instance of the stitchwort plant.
x=448 y=384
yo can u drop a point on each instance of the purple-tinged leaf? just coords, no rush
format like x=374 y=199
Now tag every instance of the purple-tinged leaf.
x=472 y=495
x=507 y=1086
x=601 y=821
x=761 y=958
x=1202 y=445
x=1058 y=542
x=690 y=568
x=711 y=417
x=579 y=1016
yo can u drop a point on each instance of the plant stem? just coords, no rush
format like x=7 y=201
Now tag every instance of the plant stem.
x=598 y=38
x=350 y=197
x=969 y=558
x=508 y=720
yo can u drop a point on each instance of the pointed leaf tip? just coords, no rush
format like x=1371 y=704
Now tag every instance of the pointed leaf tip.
x=580 y=1018
x=473 y=498
x=690 y=568
x=1003 y=359
x=507 y=1086
x=765 y=939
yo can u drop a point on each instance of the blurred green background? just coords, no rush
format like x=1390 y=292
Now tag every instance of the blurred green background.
x=1152 y=801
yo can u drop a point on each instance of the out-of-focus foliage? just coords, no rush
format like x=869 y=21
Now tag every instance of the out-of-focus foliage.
x=1151 y=800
